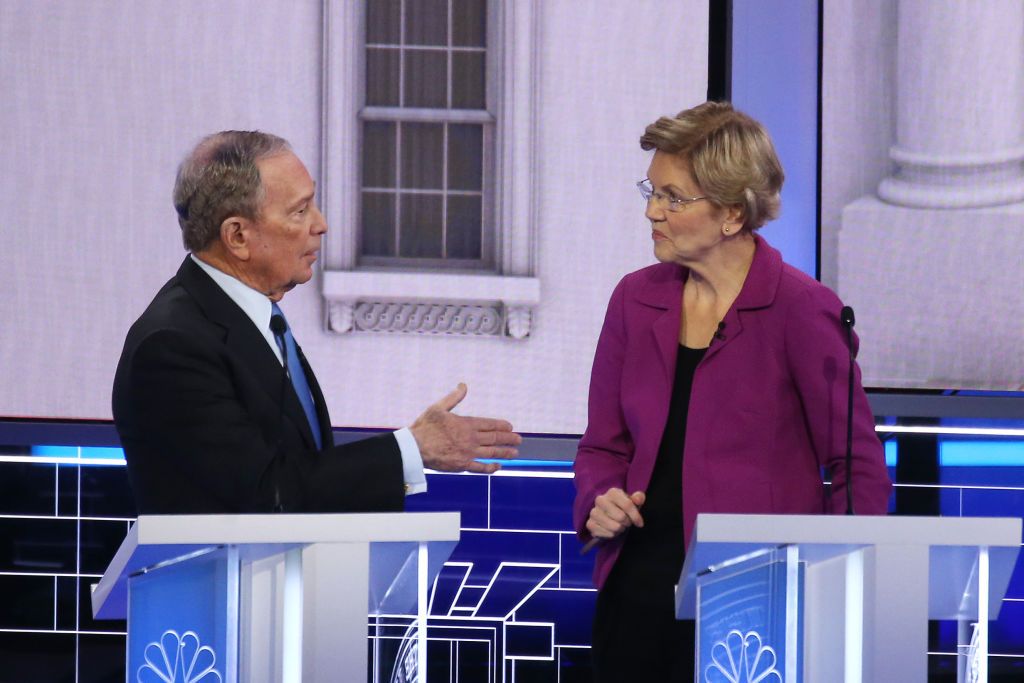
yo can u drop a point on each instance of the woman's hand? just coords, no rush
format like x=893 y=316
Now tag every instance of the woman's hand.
x=614 y=512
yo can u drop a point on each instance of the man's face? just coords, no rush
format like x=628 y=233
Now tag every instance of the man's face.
x=285 y=240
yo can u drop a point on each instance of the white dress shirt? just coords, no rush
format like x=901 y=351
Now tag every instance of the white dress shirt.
x=256 y=306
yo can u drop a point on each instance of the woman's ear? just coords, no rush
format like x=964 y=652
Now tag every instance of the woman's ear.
x=733 y=221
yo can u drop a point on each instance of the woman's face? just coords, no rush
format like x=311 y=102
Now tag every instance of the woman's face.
x=691 y=233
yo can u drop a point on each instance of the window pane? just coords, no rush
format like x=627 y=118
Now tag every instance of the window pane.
x=426 y=78
x=422 y=149
x=383 y=19
x=378 y=224
x=382 y=77
x=468 y=80
x=465 y=156
x=426 y=22
x=379 y=154
x=421 y=226
x=465 y=216
x=469 y=23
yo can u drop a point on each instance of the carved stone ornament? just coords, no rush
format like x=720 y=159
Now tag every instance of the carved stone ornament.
x=340 y=316
x=518 y=322
x=429 y=318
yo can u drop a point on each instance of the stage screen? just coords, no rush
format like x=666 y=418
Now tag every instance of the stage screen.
x=102 y=100
x=922 y=143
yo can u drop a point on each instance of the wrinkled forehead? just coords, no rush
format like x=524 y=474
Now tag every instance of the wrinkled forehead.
x=668 y=169
x=284 y=177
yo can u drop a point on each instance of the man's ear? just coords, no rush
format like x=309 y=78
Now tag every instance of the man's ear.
x=235 y=232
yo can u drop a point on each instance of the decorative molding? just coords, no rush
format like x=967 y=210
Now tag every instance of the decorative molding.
x=427 y=318
x=340 y=316
x=518 y=319
x=430 y=303
x=419 y=317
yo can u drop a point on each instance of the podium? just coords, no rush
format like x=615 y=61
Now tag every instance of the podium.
x=790 y=598
x=269 y=597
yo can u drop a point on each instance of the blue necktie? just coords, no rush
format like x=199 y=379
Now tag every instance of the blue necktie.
x=298 y=376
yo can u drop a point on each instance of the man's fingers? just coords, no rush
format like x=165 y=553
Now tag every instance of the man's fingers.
x=453 y=399
x=504 y=453
x=488 y=424
x=483 y=467
x=498 y=439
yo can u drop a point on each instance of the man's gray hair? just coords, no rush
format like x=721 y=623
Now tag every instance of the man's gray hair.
x=218 y=179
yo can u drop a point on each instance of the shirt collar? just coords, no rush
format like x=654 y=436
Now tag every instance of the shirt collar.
x=254 y=303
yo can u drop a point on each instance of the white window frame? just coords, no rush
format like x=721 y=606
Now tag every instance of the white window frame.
x=435 y=301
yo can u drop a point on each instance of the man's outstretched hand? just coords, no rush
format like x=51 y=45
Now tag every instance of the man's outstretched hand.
x=453 y=443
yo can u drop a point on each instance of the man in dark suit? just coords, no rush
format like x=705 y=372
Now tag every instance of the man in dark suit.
x=217 y=408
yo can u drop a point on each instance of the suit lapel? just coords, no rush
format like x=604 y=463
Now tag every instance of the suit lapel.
x=758 y=291
x=664 y=291
x=247 y=345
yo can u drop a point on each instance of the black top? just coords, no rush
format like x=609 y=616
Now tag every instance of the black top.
x=654 y=552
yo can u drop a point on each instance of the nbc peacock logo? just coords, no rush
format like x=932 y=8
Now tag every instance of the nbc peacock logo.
x=178 y=659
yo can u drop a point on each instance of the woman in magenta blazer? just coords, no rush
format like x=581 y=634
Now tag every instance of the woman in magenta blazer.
x=719 y=385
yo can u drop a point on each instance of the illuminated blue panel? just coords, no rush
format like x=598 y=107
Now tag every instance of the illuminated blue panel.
x=469 y=597
x=993 y=503
x=1007 y=633
x=84 y=452
x=775 y=80
x=512 y=585
x=982 y=475
x=169 y=636
x=572 y=612
x=891 y=451
x=454 y=493
x=533 y=641
x=577 y=569
x=488 y=549
x=1015 y=589
x=446 y=588
x=743 y=613
x=986 y=453
x=531 y=503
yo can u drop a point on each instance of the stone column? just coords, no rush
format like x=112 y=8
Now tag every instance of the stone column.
x=959 y=104
x=933 y=264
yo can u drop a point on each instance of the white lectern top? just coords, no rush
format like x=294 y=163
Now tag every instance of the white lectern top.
x=952 y=543
x=157 y=539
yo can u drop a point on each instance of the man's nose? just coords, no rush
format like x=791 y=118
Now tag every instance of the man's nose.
x=319 y=222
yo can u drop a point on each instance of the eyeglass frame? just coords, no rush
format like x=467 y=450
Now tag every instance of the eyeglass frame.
x=673 y=204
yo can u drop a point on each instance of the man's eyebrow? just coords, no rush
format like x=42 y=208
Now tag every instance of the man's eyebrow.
x=304 y=199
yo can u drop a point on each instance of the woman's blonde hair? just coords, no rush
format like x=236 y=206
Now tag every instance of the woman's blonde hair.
x=730 y=155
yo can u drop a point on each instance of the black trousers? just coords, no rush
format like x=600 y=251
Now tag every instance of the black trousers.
x=637 y=637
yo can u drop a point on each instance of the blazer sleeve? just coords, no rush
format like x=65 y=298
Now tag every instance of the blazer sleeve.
x=606 y=448
x=818 y=359
x=185 y=422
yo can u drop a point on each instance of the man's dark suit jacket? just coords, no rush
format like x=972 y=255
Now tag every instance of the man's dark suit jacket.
x=197 y=401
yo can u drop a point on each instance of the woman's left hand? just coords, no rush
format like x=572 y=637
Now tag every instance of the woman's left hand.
x=614 y=512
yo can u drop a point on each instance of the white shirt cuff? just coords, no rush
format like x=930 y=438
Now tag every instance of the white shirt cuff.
x=412 y=462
